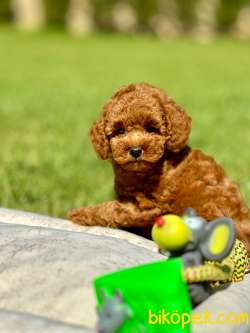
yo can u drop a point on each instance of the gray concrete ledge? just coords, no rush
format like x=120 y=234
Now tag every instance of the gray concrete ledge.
x=18 y=322
x=12 y=216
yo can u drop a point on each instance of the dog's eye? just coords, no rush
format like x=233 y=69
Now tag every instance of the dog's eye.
x=152 y=129
x=120 y=130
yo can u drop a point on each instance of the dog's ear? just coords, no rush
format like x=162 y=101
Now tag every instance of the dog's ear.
x=178 y=124
x=97 y=132
x=99 y=139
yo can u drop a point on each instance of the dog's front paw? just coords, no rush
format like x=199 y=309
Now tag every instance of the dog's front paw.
x=144 y=203
x=146 y=217
x=80 y=216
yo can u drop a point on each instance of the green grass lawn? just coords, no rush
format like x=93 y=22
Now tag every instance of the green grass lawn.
x=52 y=87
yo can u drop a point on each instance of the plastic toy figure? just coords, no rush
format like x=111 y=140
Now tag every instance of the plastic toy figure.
x=212 y=256
x=201 y=256
x=113 y=313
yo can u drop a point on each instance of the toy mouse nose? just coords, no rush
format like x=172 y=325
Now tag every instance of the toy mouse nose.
x=135 y=152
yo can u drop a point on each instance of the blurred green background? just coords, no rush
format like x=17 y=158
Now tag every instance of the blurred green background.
x=60 y=63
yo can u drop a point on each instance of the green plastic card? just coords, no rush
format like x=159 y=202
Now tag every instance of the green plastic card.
x=156 y=293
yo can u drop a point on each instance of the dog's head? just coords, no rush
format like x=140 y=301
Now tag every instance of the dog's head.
x=138 y=124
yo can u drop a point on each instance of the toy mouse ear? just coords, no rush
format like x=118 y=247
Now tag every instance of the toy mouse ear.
x=218 y=240
x=190 y=212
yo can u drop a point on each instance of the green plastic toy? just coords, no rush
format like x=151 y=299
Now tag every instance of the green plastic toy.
x=151 y=298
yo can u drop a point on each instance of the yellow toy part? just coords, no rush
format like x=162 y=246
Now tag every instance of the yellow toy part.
x=218 y=239
x=171 y=233
x=230 y=269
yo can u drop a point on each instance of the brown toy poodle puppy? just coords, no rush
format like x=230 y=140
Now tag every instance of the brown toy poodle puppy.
x=145 y=133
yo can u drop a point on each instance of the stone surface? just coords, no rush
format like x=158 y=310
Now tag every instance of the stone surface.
x=49 y=272
x=13 y=216
x=231 y=307
x=15 y=322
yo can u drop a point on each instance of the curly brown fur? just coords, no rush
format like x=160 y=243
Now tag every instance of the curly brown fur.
x=168 y=176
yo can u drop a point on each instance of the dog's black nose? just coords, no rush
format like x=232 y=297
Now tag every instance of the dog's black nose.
x=135 y=152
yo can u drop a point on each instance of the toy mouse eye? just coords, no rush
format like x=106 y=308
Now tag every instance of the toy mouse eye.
x=152 y=129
